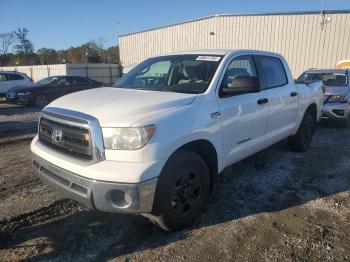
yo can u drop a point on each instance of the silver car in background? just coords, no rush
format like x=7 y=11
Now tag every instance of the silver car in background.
x=336 y=105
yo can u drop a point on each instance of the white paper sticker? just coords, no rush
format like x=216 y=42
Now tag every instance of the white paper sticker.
x=208 y=58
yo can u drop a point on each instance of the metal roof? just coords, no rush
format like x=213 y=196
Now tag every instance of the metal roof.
x=244 y=14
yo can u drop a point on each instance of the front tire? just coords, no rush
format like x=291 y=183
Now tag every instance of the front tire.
x=301 y=141
x=347 y=122
x=41 y=100
x=182 y=191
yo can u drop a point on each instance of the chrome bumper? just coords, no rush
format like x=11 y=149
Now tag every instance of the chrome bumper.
x=335 y=111
x=100 y=195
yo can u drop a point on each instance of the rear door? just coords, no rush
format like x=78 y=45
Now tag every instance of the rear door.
x=4 y=85
x=16 y=79
x=78 y=84
x=244 y=116
x=283 y=97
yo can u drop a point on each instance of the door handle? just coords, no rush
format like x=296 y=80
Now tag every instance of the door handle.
x=262 y=101
x=293 y=94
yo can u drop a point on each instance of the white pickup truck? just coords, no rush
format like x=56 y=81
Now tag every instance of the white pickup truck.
x=155 y=142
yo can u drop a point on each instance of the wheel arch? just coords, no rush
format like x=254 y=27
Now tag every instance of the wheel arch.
x=206 y=150
x=312 y=108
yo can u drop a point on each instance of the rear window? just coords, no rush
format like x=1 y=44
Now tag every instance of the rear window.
x=11 y=77
x=273 y=71
x=328 y=79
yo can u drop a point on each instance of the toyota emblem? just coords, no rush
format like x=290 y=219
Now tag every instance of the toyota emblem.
x=56 y=135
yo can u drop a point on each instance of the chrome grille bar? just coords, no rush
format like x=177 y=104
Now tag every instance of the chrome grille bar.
x=79 y=134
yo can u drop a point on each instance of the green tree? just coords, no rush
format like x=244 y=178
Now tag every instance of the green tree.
x=113 y=56
x=47 y=56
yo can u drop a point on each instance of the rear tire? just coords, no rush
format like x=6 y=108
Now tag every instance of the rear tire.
x=301 y=141
x=347 y=122
x=182 y=191
x=41 y=100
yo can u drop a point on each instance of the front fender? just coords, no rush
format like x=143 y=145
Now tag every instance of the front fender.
x=180 y=126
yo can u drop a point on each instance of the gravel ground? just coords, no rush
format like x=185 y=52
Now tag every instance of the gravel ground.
x=274 y=206
x=17 y=120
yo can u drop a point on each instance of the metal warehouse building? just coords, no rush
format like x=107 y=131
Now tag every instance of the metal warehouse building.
x=306 y=39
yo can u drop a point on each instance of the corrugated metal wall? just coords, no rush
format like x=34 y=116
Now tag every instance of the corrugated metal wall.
x=300 y=38
x=106 y=73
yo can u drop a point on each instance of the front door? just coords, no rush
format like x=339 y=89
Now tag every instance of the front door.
x=244 y=116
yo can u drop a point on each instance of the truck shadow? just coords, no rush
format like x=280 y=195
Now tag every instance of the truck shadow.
x=272 y=180
x=11 y=110
x=18 y=128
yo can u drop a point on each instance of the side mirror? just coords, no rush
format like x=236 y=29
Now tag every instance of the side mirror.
x=241 y=85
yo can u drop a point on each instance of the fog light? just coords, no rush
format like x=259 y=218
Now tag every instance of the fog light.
x=119 y=199
x=339 y=112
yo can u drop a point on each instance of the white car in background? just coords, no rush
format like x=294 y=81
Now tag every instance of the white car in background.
x=9 y=79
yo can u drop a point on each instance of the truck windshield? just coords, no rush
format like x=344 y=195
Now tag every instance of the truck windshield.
x=328 y=79
x=175 y=73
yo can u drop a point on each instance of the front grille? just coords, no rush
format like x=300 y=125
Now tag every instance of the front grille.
x=72 y=140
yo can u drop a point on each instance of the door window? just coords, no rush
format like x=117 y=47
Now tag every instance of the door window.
x=78 y=81
x=14 y=77
x=2 y=77
x=273 y=71
x=242 y=66
x=61 y=82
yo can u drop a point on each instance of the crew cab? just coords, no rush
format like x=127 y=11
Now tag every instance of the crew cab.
x=155 y=142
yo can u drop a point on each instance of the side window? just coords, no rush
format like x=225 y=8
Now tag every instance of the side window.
x=61 y=82
x=13 y=77
x=273 y=71
x=79 y=81
x=242 y=66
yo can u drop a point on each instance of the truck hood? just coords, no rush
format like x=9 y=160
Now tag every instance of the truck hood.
x=117 y=107
x=337 y=90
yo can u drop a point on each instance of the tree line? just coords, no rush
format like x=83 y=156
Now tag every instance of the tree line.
x=17 y=49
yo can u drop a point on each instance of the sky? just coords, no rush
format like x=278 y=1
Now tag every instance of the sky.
x=60 y=24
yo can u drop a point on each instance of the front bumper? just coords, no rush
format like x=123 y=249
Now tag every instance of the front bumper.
x=11 y=99
x=25 y=100
x=100 y=195
x=335 y=111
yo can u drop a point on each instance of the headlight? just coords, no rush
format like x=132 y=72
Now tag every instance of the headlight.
x=338 y=99
x=24 y=93
x=127 y=138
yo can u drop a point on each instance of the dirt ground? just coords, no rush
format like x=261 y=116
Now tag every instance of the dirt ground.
x=17 y=120
x=275 y=206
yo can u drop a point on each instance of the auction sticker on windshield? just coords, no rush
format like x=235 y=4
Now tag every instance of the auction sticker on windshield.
x=208 y=58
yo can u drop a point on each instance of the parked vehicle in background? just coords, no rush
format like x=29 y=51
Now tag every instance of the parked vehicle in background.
x=48 y=89
x=337 y=92
x=156 y=141
x=9 y=79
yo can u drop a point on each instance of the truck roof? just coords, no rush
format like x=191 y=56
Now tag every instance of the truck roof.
x=340 y=71
x=221 y=52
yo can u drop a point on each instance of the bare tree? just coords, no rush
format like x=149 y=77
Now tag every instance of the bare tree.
x=100 y=42
x=6 y=40
x=24 y=45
